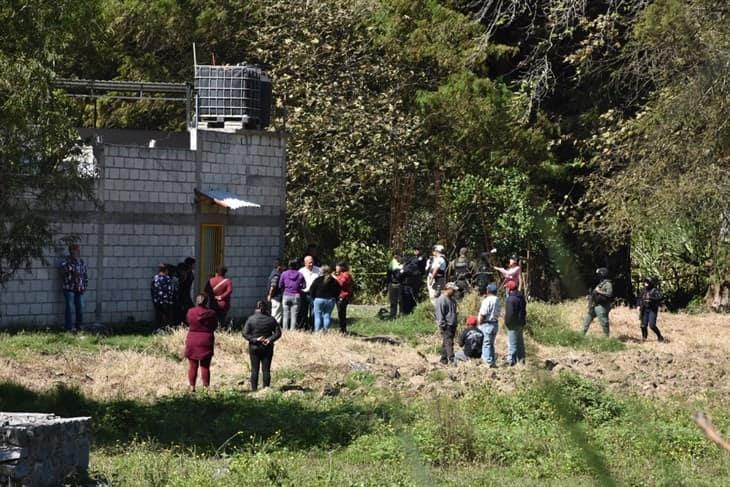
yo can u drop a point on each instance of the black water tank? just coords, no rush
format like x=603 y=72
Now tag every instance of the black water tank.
x=238 y=94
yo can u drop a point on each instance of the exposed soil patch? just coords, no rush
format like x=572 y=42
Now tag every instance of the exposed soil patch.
x=692 y=364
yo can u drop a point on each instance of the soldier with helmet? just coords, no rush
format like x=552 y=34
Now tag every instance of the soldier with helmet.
x=649 y=303
x=599 y=302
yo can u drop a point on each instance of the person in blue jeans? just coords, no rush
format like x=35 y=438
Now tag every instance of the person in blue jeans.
x=324 y=291
x=515 y=318
x=292 y=284
x=75 y=281
x=489 y=324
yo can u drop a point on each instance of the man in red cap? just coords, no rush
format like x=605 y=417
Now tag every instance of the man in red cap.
x=471 y=341
x=515 y=318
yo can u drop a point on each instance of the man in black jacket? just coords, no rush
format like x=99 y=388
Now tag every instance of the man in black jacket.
x=471 y=341
x=515 y=318
x=261 y=331
x=411 y=278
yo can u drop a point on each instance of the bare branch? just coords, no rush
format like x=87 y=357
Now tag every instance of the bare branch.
x=705 y=424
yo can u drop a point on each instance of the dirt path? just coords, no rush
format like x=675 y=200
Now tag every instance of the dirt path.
x=695 y=362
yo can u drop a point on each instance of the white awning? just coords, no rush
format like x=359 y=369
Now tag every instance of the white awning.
x=225 y=199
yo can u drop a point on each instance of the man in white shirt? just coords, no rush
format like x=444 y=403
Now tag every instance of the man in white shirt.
x=310 y=273
x=489 y=324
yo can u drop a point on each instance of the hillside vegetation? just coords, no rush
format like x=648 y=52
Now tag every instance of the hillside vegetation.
x=581 y=132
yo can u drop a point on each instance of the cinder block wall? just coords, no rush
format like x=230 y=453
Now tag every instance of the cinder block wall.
x=148 y=215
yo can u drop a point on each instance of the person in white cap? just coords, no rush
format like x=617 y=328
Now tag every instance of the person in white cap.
x=447 y=319
x=436 y=268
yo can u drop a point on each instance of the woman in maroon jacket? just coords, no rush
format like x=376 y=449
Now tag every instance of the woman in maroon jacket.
x=200 y=340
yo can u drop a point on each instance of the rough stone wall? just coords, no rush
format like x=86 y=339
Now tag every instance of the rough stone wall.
x=148 y=215
x=42 y=449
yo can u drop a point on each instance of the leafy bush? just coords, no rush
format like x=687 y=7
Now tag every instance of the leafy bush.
x=367 y=264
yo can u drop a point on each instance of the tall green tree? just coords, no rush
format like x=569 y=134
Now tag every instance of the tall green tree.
x=39 y=164
x=662 y=175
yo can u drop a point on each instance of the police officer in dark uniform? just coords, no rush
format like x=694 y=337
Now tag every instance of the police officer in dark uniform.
x=462 y=271
x=649 y=303
x=411 y=279
x=484 y=272
x=421 y=260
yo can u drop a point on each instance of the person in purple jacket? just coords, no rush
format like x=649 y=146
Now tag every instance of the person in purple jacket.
x=292 y=283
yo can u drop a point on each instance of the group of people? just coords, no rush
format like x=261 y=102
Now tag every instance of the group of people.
x=171 y=293
x=299 y=297
x=304 y=295
x=478 y=338
x=406 y=274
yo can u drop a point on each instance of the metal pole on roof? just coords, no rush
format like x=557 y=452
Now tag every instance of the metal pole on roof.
x=190 y=92
x=95 y=104
x=188 y=101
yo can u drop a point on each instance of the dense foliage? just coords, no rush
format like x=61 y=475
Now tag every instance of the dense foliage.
x=39 y=157
x=571 y=131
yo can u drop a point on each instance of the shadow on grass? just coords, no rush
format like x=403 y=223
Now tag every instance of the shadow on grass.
x=119 y=328
x=410 y=327
x=49 y=343
x=628 y=339
x=205 y=422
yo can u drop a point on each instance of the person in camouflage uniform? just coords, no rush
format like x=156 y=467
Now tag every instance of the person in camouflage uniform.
x=599 y=302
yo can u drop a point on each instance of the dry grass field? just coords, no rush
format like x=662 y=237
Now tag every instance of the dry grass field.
x=694 y=362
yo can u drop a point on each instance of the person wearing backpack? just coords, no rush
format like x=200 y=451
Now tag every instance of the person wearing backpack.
x=649 y=303
x=471 y=341
x=515 y=318
x=599 y=302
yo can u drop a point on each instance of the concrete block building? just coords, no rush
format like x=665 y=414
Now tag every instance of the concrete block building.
x=216 y=196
